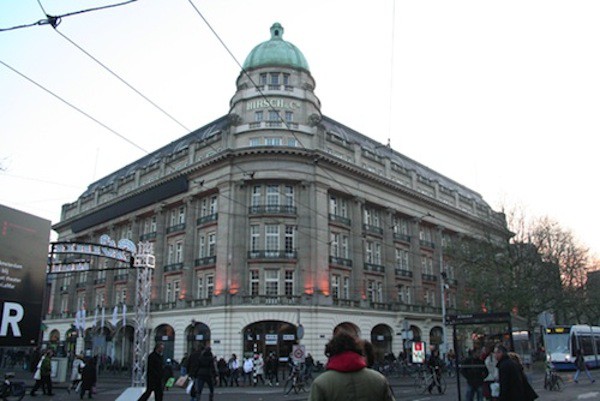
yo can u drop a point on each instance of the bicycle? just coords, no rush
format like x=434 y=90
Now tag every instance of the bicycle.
x=552 y=381
x=427 y=380
x=297 y=381
x=10 y=390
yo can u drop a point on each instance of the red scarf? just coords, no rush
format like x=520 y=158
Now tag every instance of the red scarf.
x=347 y=361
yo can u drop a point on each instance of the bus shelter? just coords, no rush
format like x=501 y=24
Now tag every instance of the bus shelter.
x=474 y=331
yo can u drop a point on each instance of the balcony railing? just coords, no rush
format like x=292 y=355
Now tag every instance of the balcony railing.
x=272 y=209
x=346 y=303
x=194 y=303
x=207 y=219
x=173 y=267
x=287 y=255
x=206 y=261
x=175 y=228
x=148 y=236
x=429 y=277
x=373 y=229
x=404 y=273
x=121 y=277
x=334 y=260
x=340 y=219
x=271 y=299
x=371 y=267
x=402 y=237
x=427 y=244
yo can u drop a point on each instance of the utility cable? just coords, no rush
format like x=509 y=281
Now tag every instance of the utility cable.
x=71 y=105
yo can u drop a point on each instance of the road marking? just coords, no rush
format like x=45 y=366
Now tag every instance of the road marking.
x=588 y=395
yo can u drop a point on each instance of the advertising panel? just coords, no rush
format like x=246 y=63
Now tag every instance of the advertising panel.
x=24 y=242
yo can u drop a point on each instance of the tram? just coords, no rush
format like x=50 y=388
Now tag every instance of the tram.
x=562 y=343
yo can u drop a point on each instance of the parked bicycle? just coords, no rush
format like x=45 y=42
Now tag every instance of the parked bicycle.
x=11 y=390
x=427 y=379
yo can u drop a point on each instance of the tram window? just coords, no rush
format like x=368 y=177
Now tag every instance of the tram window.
x=597 y=338
x=574 y=345
x=586 y=345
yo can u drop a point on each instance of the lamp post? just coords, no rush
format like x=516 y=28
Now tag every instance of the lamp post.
x=443 y=290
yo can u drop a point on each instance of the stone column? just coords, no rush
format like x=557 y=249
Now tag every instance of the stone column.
x=191 y=214
x=415 y=261
x=358 y=254
x=389 y=257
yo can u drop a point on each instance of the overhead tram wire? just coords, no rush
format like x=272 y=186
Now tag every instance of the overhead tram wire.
x=55 y=20
x=71 y=105
x=114 y=74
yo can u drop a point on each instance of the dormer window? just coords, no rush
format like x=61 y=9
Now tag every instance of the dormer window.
x=274 y=78
x=286 y=79
x=263 y=79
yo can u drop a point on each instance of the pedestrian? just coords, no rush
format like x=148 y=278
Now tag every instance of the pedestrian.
x=271 y=366
x=154 y=374
x=42 y=375
x=309 y=366
x=234 y=370
x=259 y=369
x=434 y=364
x=206 y=373
x=580 y=365
x=492 y=377
x=192 y=369
x=223 y=371
x=474 y=371
x=76 y=369
x=168 y=375
x=88 y=378
x=513 y=383
x=248 y=369
x=183 y=365
x=347 y=377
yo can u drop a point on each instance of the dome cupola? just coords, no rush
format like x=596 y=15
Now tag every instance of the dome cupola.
x=276 y=52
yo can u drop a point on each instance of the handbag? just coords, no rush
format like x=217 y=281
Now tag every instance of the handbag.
x=182 y=381
x=188 y=389
x=170 y=382
x=38 y=374
x=495 y=389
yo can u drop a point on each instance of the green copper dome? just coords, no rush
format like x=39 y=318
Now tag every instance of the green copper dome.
x=276 y=52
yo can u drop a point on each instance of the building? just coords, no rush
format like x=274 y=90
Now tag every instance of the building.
x=269 y=217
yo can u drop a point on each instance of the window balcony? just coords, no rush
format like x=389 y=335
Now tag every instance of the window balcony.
x=206 y=261
x=274 y=123
x=426 y=244
x=371 y=267
x=121 y=277
x=271 y=300
x=273 y=209
x=345 y=303
x=256 y=124
x=334 y=260
x=428 y=277
x=100 y=281
x=80 y=285
x=148 y=236
x=175 y=228
x=173 y=267
x=340 y=219
x=373 y=229
x=403 y=273
x=402 y=237
x=285 y=255
x=207 y=219
x=380 y=305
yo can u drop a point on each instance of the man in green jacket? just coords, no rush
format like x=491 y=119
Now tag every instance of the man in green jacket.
x=347 y=377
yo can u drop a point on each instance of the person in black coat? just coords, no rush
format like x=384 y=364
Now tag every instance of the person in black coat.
x=513 y=383
x=154 y=374
x=206 y=373
x=88 y=378
x=474 y=371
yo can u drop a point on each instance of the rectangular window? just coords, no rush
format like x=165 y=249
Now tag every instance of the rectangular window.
x=286 y=79
x=288 y=192
x=274 y=78
x=121 y=295
x=289 y=116
x=262 y=79
x=379 y=292
x=200 y=287
x=377 y=253
x=292 y=142
x=369 y=252
x=400 y=293
x=80 y=300
x=334 y=244
x=179 y=252
x=335 y=286
x=64 y=303
x=272 y=282
x=258 y=116
x=254 y=282
x=168 y=291
x=254 y=142
x=371 y=290
x=272 y=237
x=181 y=215
x=176 y=289
x=273 y=115
x=254 y=238
x=289 y=239
x=273 y=141
x=289 y=282
x=338 y=206
x=346 y=289
x=256 y=194
x=212 y=209
x=212 y=243
x=171 y=254
x=402 y=259
x=272 y=195
x=210 y=285
x=202 y=247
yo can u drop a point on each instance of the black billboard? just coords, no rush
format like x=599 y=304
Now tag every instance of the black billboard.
x=24 y=242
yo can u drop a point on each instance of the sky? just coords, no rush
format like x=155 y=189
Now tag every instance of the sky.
x=502 y=97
